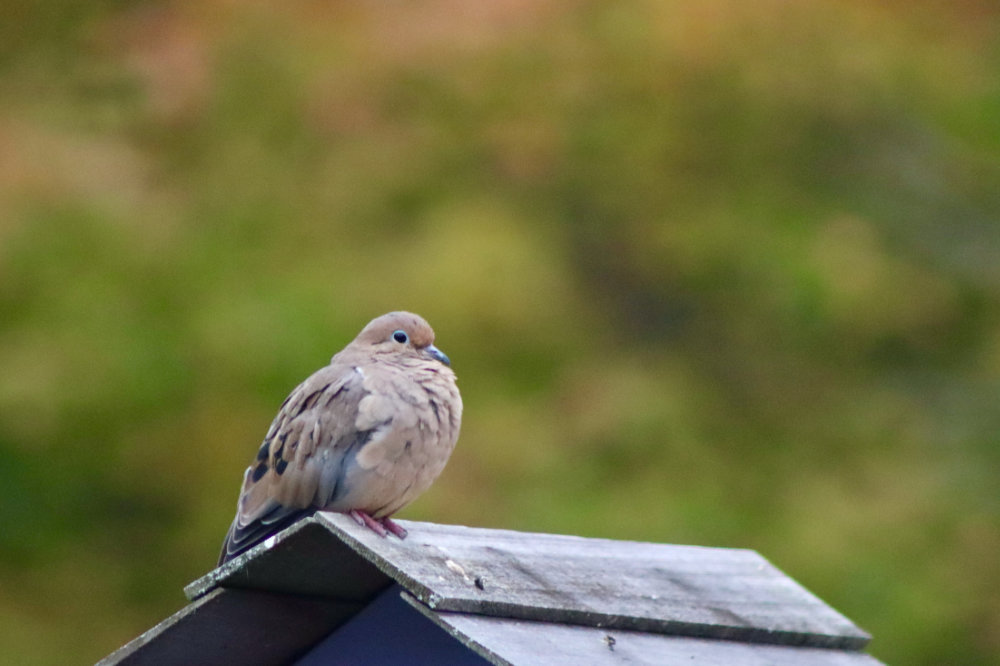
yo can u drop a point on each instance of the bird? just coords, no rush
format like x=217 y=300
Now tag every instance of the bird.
x=364 y=436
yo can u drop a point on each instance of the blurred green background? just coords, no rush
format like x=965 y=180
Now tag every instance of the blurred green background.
x=717 y=273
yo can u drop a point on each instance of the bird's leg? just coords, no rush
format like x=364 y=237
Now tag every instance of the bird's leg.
x=363 y=519
x=394 y=527
x=380 y=526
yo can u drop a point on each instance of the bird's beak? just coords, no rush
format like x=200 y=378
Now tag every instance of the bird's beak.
x=437 y=354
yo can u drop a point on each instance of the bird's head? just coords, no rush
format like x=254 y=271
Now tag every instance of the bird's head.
x=402 y=333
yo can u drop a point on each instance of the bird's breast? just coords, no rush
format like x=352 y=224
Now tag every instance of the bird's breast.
x=414 y=419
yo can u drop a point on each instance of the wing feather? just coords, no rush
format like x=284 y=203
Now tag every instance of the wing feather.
x=300 y=462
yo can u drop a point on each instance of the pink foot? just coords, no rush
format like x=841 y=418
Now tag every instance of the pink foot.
x=380 y=526
x=363 y=519
x=394 y=527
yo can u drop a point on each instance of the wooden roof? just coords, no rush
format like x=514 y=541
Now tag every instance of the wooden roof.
x=512 y=596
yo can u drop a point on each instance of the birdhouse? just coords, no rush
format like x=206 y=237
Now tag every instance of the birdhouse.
x=327 y=591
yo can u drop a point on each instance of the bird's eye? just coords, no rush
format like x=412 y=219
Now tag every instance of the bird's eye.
x=400 y=336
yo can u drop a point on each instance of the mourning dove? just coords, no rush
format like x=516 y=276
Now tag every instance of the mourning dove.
x=364 y=436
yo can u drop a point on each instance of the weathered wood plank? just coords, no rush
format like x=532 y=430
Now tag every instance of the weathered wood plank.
x=690 y=590
x=308 y=558
x=508 y=642
x=681 y=590
x=229 y=626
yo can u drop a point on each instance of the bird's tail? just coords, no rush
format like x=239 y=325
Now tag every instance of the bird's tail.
x=240 y=539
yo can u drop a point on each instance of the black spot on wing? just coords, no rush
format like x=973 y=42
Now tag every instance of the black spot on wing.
x=311 y=400
x=262 y=453
x=280 y=463
x=333 y=396
x=258 y=472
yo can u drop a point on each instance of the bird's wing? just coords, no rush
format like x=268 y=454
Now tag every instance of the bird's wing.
x=300 y=463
